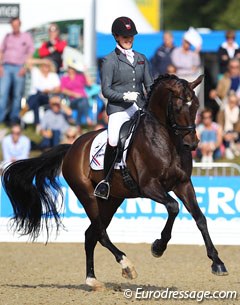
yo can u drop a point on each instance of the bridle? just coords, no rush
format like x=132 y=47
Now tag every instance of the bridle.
x=178 y=129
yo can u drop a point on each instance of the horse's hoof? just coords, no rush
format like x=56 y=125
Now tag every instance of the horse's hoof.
x=129 y=273
x=94 y=284
x=128 y=270
x=219 y=269
x=156 y=248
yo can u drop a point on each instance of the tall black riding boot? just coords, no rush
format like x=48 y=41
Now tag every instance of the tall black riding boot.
x=102 y=190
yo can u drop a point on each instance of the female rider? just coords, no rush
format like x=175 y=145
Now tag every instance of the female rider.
x=125 y=80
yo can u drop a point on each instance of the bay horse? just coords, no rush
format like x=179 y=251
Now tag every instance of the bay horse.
x=159 y=161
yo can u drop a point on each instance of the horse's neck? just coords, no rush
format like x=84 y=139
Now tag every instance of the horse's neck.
x=159 y=110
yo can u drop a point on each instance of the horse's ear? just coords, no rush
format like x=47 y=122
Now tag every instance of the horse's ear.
x=196 y=82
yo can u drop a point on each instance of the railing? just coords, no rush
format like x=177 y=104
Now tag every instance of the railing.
x=216 y=169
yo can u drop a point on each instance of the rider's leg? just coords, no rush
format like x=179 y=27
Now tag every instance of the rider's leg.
x=115 y=122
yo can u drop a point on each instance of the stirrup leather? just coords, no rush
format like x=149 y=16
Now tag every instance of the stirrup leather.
x=102 y=190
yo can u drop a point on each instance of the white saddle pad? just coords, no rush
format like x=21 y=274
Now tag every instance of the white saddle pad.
x=98 y=149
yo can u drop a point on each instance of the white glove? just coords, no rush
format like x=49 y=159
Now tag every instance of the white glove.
x=131 y=96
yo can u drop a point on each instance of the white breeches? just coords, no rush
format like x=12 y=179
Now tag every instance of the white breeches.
x=115 y=122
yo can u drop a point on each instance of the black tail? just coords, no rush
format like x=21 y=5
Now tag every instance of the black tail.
x=32 y=187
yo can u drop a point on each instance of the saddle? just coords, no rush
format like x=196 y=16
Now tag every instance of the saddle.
x=126 y=137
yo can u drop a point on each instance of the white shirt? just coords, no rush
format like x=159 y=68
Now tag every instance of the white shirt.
x=18 y=150
x=39 y=82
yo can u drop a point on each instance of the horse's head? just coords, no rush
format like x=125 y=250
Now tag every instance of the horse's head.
x=173 y=102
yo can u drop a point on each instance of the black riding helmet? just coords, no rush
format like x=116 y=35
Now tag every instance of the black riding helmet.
x=124 y=26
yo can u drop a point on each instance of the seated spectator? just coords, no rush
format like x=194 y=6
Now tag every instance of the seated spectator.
x=70 y=135
x=44 y=81
x=73 y=87
x=102 y=120
x=54 y=123
x=162 y=56
x=229 y=81
x=15 y=146
x=229 y=49
x=210 y=135
x=53 y=48
x=186 y=61
x=229 y=119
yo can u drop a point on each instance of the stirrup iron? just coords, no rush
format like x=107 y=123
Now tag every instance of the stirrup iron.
x=102 y=190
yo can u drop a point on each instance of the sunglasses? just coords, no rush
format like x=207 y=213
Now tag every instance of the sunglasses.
x=53 y=29
x=16 y=132
x=70 y=136
x=55 y=104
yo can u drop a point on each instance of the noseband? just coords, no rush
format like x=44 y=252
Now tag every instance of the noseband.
x=178 y=129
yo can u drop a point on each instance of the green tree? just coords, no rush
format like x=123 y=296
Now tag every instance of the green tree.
x=229 y=18
x=214 y=14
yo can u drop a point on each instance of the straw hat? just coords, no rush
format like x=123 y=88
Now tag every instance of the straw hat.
x=75 y=64
x=48 y=62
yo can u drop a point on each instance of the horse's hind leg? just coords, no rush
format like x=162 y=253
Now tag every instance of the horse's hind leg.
x=160 y=245
x=128 y=270
x=187 y=195
x=97 y=232
x=90 y=243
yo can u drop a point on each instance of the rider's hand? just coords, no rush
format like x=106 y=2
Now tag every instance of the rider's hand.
x=130 y=96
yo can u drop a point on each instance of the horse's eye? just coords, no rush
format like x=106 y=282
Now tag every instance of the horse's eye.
x=179 y=104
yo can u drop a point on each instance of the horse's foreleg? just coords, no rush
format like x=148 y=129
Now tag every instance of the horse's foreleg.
x=160 y=245
x=187 y=194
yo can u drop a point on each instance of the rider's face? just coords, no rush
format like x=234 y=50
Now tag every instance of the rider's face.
x=125 y=42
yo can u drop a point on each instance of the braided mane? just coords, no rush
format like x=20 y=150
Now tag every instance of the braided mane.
x=165 y=77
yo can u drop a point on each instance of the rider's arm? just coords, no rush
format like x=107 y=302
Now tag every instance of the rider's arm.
x=107 y=76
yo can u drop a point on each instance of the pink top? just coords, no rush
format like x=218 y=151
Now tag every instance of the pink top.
x=76 y=85
x=16 y=48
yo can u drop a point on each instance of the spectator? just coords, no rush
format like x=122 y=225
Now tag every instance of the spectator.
x=54 y=123
x=73 y=87
x=186 y=61
x=15 y=146
x=162 y=56
x=44 y=81
x=229 y=81
x=53 y=48
x=16 y=48
x=229 y=119
x=102 y=120
x=171 y=69
x=228 y=49
x=210 y=135
x=70 y=135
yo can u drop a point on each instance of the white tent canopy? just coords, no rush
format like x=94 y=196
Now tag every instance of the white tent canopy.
x=108 y=10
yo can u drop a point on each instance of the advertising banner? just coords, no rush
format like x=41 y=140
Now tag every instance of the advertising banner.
x=141 y=220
